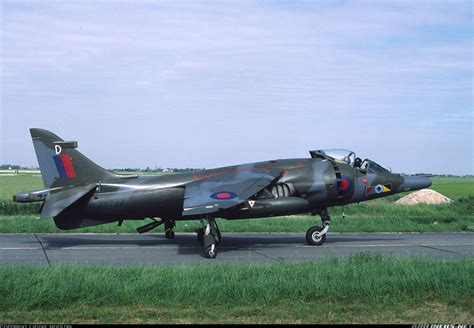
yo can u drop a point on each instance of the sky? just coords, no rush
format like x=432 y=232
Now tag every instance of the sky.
x=216 y=83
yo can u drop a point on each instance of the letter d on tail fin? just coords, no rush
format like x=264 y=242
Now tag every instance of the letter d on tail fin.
x=62 y=165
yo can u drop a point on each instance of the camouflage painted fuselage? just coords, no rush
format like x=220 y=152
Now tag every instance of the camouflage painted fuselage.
x=79 y=193
x=303 y=185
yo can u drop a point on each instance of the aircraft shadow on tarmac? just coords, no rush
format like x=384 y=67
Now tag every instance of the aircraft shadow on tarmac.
x=188 y=244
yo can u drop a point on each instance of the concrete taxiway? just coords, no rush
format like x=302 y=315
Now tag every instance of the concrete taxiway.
x=50 y=249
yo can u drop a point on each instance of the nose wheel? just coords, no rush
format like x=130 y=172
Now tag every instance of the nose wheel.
x=317 y=235
x=314 y=236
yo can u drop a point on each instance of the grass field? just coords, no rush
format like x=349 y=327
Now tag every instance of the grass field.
x=379 y=215
x=365 y=288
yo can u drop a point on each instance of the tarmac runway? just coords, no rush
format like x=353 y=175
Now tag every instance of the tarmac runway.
x=50 y=249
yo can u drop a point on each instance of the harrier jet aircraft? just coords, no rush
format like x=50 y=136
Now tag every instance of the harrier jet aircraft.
x=79 y=193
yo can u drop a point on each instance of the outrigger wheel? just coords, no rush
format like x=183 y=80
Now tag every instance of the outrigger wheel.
x=317 y=235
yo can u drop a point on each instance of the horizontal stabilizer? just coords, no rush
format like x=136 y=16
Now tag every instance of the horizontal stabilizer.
x=57 y=202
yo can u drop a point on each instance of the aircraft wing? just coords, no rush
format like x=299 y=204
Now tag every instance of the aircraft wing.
x=223 y=192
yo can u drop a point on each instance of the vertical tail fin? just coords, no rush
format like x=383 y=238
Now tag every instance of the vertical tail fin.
x=62 y=165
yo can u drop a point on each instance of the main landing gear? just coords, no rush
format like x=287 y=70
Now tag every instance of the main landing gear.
x=316 y=235
x=209 y=236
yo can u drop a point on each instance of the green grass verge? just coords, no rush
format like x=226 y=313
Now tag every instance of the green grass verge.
x=454 y=187
x=364 y=288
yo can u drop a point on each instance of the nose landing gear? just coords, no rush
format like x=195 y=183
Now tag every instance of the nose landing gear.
x=316 y=235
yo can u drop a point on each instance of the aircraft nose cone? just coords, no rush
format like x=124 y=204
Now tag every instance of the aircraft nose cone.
x=414 y=183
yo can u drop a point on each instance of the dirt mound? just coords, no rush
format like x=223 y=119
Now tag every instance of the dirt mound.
x=424 y=196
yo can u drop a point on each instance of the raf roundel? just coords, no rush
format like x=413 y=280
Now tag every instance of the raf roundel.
x=344 y=184
x=223 y=195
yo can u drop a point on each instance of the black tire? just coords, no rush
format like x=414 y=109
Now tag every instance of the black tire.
x=169 y=234
x=311 y=237
x=210 y=253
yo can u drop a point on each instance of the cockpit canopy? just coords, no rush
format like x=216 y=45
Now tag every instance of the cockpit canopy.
x=339 y=155
x=372 y=167
x=348 y=157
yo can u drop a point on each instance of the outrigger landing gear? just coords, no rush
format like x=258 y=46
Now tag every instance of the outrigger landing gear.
x=169 y=225
x=317 y=235
x=209 y=236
